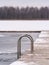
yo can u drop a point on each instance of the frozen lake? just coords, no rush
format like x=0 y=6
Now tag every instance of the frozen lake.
x=24 y=25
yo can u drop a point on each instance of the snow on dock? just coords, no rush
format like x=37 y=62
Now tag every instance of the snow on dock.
x=40 y=55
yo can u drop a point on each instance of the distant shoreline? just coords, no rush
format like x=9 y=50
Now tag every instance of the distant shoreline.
x=27 y=13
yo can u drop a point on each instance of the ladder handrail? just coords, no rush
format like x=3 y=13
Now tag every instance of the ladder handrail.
x=19 y=45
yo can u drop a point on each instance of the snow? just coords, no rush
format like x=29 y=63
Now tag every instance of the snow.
x=22 y=63
x=24 y=25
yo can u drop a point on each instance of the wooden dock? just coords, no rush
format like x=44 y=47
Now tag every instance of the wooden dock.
x=40 y=56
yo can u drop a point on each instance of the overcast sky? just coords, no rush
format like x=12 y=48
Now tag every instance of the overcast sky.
x=24 y=3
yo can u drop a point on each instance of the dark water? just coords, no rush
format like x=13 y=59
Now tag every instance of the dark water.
x=8 y=46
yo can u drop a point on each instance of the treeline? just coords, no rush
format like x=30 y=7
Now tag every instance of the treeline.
x=28 y=13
